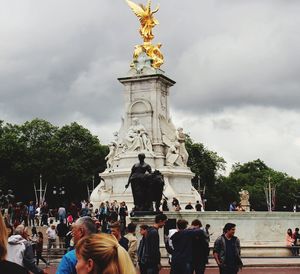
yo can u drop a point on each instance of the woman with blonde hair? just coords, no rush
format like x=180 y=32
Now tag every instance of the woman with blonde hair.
x=6 y=266
x=102 y=254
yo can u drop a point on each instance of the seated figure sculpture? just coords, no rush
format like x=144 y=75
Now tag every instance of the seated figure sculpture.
x=137 y=138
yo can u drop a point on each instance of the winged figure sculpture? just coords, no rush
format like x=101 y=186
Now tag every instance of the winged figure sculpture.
x=147 y=20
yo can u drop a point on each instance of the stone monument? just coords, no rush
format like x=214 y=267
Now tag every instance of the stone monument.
x=244 y=197
x=146 y=126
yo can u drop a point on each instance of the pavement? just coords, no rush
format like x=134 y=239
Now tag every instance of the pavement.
x=279 y=265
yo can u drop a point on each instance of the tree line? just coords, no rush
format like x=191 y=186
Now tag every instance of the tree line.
x=71 y=156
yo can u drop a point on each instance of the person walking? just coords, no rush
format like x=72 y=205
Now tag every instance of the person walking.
x=227 y=251
x=142 y=249
x=182 y=241
x=39 y=249
x=132 y=242
x=152 y=253
x=62 y=230
x=200 y=249
x=51 y=234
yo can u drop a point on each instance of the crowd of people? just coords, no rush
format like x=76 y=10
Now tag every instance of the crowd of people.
x=114 y=250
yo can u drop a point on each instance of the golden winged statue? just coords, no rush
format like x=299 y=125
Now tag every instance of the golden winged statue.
x=146 y=18
x=148 y=22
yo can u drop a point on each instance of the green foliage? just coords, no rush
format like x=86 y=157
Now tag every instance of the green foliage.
x=67 y=156
x=254 y=176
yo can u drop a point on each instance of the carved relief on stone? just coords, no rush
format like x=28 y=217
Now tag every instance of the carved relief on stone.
x=175 y=141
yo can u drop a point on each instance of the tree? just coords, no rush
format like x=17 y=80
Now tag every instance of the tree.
x=254 y=177
x=207 y=166
x=67 y=156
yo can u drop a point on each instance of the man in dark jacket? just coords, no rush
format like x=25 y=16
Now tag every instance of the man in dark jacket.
x=152 y=254
x=200 y=249
x=182 y=240
x=227 y=251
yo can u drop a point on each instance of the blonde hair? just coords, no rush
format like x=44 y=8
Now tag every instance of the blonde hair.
x=107 y=254
x=3 y=239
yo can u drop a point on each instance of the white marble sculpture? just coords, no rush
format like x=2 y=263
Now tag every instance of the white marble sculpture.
x=177 y=154
x=111 y=155
x=137 y=138
x=244 y=197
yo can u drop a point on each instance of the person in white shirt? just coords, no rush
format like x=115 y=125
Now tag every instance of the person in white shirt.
x=51 y=234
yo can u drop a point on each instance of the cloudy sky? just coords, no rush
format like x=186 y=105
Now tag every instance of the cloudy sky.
x=236 y=64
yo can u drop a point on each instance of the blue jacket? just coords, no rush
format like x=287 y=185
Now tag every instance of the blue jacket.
x=67 y=263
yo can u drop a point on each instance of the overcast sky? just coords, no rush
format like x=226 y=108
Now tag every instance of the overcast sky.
x=236 y=64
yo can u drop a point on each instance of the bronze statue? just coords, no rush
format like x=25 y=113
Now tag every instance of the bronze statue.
x=146 y=186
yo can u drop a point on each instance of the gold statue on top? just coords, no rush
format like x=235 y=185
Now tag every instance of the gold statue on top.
x=148 y=22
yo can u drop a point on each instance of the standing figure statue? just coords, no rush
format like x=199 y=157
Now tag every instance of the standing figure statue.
x=180 y=136
x=111 y=155
x=139 y=184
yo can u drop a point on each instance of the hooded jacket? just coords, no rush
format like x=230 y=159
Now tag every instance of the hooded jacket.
x=20 y=251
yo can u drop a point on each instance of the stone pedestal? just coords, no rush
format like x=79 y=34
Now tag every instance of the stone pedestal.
x=146 y=109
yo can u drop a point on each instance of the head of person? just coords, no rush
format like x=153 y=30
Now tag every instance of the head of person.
x=101 y=253
x=160 y=220
x=33 y=230
x=196 y=223
x=297 y=230
x=82 y=227
x=141 y=157
x=115 y=229
x=207 y=226
x=144 y=230
x=229 y=229
x=3 y=239
x=131 y=228
x=290 y=232
x=22 y=231
x=182 y=224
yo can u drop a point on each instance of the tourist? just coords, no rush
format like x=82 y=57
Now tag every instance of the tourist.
x=33 y=238
x=175 y=202
x=62 y=230
x=289 y=241
x=44 y=214
x=198 y=206
x=82 y=227
x=232 y=206
x=182 y=241
x=62 y=214
x=20 y=250
x=141 y=252
x=165 y=206
x=132 y=242
x=296 y=237
x=123 y=212
x=101 y=253
x=200 y=249
x=51 y=235
x=189 y=206
x=31 y=213
x=152 y=255
x=39 y=249
x=227 y=251
x=115 y=229
x=207 y=227
x=7 y=267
